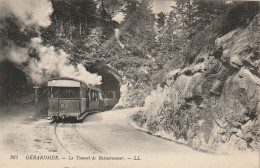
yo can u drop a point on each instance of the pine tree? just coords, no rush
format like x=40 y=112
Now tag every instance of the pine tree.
x=161 y=19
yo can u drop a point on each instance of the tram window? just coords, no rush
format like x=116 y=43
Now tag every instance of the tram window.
x=65 y=92
x=83 y=91
x=108 y=95
x=94 y=95
x=55 y=92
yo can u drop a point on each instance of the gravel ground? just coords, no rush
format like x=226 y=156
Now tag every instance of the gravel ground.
x=106 y=134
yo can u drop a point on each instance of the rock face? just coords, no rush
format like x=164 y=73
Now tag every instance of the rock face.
x=215 y=102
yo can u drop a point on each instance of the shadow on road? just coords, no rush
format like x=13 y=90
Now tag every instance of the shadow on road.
x=69 y=120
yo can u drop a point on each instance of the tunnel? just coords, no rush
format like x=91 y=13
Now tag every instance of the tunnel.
x=13 y=82
x=111 y=80
x=15 y=85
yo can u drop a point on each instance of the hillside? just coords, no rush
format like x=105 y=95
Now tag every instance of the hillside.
x=212 y=104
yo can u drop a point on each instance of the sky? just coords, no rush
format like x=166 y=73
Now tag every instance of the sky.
x=162 y=6
x=158 y=6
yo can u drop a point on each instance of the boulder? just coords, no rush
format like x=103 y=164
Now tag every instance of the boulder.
x=189 y=86
x=241 y=90
x=236 y=143
x=219 y=42
x=217 y=87
x=235 y=62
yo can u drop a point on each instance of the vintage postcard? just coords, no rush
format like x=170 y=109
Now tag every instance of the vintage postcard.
x=129 y=83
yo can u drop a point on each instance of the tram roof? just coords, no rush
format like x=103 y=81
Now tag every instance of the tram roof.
x=68 y=82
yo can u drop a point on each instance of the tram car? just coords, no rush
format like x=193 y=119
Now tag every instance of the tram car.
x=69 y=97
x=109 y=98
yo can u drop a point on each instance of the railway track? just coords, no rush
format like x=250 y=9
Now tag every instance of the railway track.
x=87 y=141
x=71 y=141
x=58 y=140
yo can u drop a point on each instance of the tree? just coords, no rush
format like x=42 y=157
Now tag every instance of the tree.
x=74 y=17
x=161 y=19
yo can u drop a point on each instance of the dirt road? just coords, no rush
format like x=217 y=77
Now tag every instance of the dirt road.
x=107 y=136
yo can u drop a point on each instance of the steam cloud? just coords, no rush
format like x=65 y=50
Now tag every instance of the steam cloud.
x=53 y=62
x=49 y=62
x=13 y=53
x=28 y=12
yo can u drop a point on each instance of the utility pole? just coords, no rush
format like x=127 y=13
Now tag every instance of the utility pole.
x=36 y=87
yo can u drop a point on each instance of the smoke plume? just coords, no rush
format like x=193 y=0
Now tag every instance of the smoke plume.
x=28 y=12
x=13 y=53
x=49 y=62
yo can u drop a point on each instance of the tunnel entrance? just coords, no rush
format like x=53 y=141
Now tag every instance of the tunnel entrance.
x=111 y=82
x=13 y=82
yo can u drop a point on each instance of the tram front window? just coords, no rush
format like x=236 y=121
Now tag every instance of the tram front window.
x=65 y=92
x=108 y=95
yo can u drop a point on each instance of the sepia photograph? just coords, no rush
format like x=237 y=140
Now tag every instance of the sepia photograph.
x=129 y=84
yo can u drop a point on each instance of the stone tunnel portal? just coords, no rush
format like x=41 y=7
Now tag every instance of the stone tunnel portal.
x=111 y=82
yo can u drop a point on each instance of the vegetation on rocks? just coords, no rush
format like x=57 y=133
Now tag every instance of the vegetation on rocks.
x=213 y=103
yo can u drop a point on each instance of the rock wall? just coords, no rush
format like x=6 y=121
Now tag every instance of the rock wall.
x=213 y=104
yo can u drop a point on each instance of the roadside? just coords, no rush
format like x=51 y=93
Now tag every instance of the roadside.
x=111 y=130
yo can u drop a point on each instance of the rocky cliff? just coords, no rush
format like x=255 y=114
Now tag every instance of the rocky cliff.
x=212 y=104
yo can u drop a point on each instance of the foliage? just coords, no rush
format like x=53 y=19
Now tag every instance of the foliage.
x=215 y=19
x=161 y=19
